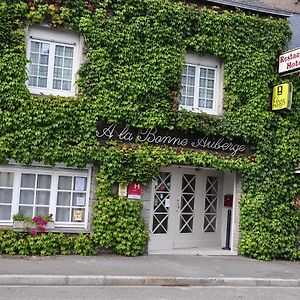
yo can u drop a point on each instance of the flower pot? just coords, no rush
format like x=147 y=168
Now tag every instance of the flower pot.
x=50 y=225
x=23 y=225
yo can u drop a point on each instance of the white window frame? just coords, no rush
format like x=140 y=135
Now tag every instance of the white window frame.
x=55 y=173
x=60 y=37
x=208 y=62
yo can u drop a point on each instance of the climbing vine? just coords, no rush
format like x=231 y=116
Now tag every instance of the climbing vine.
x=134 y=55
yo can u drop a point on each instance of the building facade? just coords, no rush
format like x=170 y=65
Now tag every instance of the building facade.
x=159 y=104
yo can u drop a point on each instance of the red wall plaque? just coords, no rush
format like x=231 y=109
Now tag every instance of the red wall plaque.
x=134 y=191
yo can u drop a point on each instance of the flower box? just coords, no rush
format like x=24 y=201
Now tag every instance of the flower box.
x=23 y=225
x=29 y=225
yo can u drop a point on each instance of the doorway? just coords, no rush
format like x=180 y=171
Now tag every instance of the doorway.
x=186 y=211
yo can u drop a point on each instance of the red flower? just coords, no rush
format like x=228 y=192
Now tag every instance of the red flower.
x=33 y=232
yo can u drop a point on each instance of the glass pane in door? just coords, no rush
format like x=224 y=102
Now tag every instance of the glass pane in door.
x=161 y=203
x=187 y=204
x=211 y=201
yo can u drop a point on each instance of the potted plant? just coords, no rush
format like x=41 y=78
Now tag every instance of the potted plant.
x=20 y=221
x=35 y=224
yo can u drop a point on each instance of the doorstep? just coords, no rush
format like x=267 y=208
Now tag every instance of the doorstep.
x=196 y=251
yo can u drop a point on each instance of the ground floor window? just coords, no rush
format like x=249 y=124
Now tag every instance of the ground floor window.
x=40 y=191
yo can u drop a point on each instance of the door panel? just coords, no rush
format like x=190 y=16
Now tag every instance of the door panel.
x=187 y=231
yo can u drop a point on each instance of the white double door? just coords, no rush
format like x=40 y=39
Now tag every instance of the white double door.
x=185 y=209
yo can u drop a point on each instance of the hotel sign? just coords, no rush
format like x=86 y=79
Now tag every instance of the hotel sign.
x=171 y=138
x=282 y=96
x=289 y=62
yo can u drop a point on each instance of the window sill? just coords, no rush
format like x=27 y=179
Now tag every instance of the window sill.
x=199 y=110
x=28 y=226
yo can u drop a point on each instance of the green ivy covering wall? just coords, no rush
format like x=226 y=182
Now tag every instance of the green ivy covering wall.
x=135 y=50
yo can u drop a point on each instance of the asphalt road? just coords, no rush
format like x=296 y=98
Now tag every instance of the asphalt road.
x=147 y=293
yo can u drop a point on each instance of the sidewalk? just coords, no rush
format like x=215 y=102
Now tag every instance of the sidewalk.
x=151 y=270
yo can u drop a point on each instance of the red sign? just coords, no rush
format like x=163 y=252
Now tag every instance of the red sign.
x=228 y=200
x=134 y=191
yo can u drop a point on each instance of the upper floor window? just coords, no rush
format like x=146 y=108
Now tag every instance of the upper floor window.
x=54 y=58
x=201 y=84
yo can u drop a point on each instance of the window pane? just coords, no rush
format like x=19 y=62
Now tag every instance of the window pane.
x=65 y=183
x=209 y=104
x=6 y=179
x=58 y=61
x=5 y=212
x=191 y=81
x=42 y=82
x=41 y=211
x=43 y=71
x=201 y=103
x=203 y=72
x=210 y=73
x=190 y=91
x=62 y=214
x=68 y=62
x=202 y=93
x=26 y=197
x=57 y=84
x=202 y=82
x=28 y=180
x=210 y=94
x=191 y=70
x=33 y=69
x=43 y=59
x=79 y=199
x=5 y=195
x=57 y=73
x=34 y=58
x=42 y=197
x=45 y=48
x=26 y=210
x=32 y=81
x=44 y=181
x=66 y=85
x=67 y=74
x=210 y=83
x=59 y=50
x=189 y=101
x=77 y=215
x=69 y=51
x=35 y=47
x=80 y=184
x=63 y=198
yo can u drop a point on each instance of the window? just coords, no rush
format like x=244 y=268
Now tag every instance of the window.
x=38 y=191
x=54 y=58
x=201 y=84
x=6 y=188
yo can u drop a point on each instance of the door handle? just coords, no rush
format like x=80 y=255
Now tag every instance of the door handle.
x=178 y=204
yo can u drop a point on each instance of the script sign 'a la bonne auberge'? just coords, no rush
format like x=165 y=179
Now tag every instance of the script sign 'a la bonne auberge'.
x=171 y=138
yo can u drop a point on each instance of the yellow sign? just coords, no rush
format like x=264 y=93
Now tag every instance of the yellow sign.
x=122 y=189
x=78 y=215
x=282 y=96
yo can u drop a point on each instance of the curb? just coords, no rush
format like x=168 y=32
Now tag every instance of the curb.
x=109 y=280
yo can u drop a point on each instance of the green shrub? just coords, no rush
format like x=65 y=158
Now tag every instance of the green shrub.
x=83 y=245
x=8 y=241
x=118 y=226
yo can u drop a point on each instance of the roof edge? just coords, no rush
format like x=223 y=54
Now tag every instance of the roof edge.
x=270 y=10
